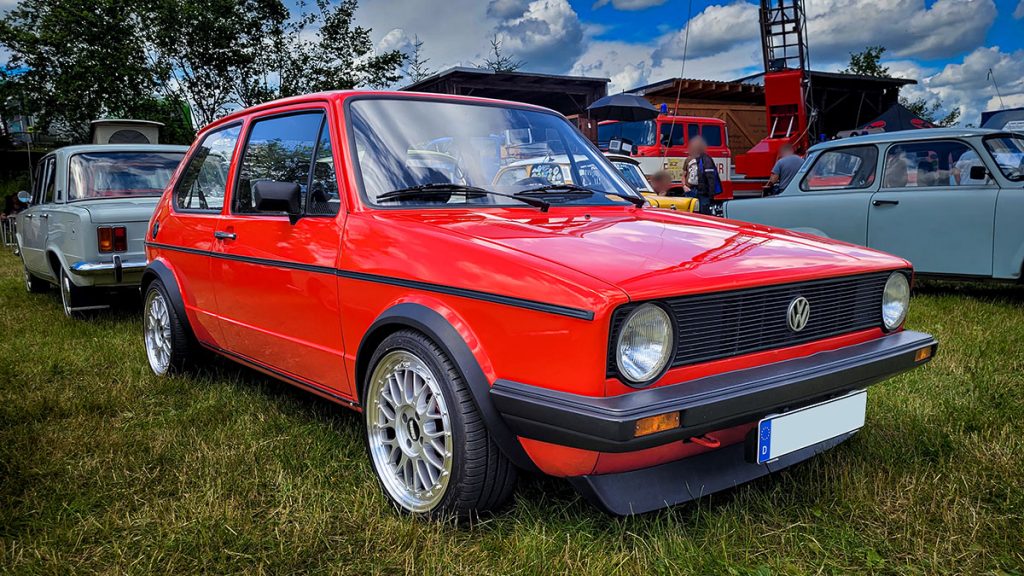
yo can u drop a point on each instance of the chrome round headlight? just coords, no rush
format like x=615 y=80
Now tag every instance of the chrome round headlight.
x=645 y=344
x=895 y=300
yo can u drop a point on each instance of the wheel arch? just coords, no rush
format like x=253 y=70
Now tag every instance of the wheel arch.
x=430 y=323
x=159 y=270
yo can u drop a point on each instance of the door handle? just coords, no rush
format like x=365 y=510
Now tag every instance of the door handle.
x=221 y=235
x=884 y=202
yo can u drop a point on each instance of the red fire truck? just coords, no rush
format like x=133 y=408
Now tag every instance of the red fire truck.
x=661 y=144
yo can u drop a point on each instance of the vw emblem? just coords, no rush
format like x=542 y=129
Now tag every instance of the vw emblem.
x=798 y=314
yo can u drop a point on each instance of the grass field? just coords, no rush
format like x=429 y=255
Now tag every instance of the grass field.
x=107 y=469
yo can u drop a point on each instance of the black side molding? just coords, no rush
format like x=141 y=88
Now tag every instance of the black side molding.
x=607 y=424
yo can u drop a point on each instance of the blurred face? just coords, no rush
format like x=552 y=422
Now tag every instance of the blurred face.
x=696 y=147
x=660 y=183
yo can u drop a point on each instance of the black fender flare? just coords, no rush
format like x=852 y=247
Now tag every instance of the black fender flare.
x=157 y=269
x=437 y=328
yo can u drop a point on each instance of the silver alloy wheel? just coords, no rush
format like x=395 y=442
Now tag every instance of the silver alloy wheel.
x=409 y=431
x=65 y=293
x=157 y=331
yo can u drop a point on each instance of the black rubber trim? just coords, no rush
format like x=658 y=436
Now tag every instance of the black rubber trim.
x=706 y=404
x=242 y=359
x=648 y=489
x=438 y=329
x=390 y=280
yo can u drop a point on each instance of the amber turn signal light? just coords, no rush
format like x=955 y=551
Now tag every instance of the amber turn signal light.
x=923 y=354
x=659 y=423
x=112 y=239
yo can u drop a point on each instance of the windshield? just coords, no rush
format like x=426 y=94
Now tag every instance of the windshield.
x=640 y=133
x=403 y=144
x=631 y=173
x=1008 y=152
x=120 y=174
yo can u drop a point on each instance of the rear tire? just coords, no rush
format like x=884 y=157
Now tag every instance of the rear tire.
x=72 y=297
x=169 y=347
x=427 y=442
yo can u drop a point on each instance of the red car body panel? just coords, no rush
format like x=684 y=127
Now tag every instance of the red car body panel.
x=305 y=324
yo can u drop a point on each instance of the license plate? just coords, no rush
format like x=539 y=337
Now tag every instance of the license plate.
x=784 y=433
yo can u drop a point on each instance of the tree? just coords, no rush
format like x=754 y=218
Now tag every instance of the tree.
x=867 y=63
x=931 y=112
x=498 y=61
x=84 y=59
x=339 y=55
x=417 y=69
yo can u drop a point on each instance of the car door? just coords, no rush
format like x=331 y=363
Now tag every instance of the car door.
x=34 y=225
x=190 y=225
x=931 y=212
x=277 y=287
x=830 y=196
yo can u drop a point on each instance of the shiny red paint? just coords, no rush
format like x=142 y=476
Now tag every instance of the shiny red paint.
x=307 y=325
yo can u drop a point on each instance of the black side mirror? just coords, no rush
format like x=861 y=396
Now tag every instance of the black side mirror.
x=273 y=196
x=978 y=173
x=24 y=197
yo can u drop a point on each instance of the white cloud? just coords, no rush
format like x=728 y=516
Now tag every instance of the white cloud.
x=907 y=28
x=716 y=29
x=1019 y=12
x=396 y=39
x=629 y=4
x=547 y=35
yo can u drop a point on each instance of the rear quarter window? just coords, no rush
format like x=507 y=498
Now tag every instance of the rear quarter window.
x=204 y=181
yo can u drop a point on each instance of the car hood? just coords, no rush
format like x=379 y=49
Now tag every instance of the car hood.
x=652 y=253
x=119 y=210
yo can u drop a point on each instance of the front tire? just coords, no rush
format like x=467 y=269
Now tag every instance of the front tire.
x=168 y=347
x=428 y=445
x=33 y=284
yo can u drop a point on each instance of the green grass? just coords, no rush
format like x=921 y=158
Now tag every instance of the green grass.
x=107 y=469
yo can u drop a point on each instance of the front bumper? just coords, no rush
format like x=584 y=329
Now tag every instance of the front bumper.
x=607 y=424
x=116 y=269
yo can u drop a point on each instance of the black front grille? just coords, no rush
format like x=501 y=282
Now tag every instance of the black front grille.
x=723 y=324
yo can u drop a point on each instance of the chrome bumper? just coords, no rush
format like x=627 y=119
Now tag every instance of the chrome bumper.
x=117 y=267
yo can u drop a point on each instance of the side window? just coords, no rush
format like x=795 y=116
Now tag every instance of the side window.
x=204 y=181
x=712 y=134
x=281 y=149
x=49 y=180
x=692 y=131
x=930 y=164
x=324 y=199
x=672 y=135
x=844 y=168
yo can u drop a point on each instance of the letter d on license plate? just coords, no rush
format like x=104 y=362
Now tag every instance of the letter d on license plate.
x=779 y=435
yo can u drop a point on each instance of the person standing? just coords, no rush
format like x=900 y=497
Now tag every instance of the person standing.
x=785 y=169
x=701 y=175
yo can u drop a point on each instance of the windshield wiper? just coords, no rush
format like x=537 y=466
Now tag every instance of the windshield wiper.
x=573 y=188
x=438 y=188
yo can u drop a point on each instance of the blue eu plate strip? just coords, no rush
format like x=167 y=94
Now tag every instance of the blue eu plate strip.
x=764 y=442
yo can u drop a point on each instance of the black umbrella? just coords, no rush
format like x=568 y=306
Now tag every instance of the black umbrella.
x=623 y=107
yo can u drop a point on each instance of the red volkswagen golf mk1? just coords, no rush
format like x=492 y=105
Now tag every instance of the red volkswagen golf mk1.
x=359 y=246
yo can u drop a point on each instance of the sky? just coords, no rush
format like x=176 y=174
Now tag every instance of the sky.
x=948 y=46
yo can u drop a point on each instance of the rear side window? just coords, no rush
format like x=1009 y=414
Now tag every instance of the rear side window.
x=672 y=135
x=842 y=169
x=930 y=164
x=202 y=184
x=280 y=149
x=712 y=134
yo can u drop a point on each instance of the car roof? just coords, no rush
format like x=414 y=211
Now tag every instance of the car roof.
x=905 y=135
x=81 y=148
x=336 y=95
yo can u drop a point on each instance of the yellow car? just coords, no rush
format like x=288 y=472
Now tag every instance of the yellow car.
x=630 y=170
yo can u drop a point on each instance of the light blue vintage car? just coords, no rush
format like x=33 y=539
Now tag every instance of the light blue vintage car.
x=88 y=211
x=949 y=200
